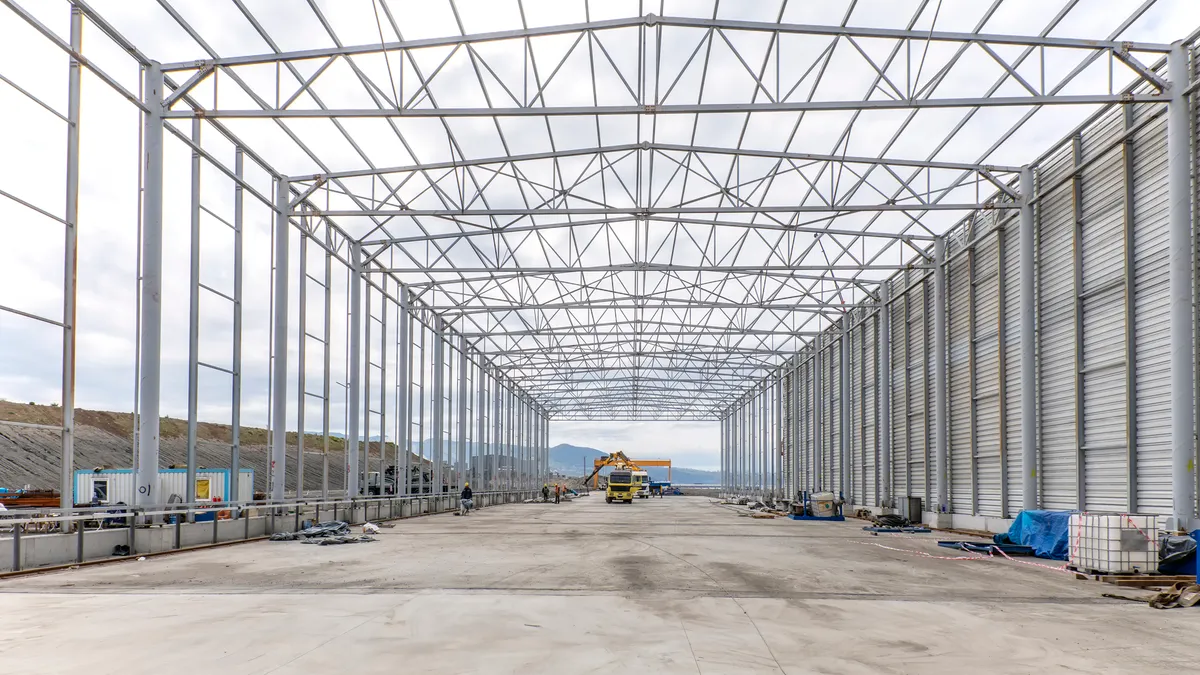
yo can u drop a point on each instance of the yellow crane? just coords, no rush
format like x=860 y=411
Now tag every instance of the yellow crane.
x=621 y=487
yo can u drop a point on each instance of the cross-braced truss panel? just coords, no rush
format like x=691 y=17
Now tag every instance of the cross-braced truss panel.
x=639 y=209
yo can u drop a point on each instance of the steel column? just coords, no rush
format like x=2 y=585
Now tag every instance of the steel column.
x=70 y=261
x=462 y=410
x=325 y=378
x=150 y=347
x=777 y=441
x=353 y=483
x=278 y=466
x=383 y=387
x=1029 y=454
x=818 y=412
x=193 y=320
x=365 y=454
x=844 y=409
x=722 y=422
x=1179 y=166
x=235 y=450
x=497 y=441
x=439 y=403
x=883 y=410
x=480 y=423
x=940 y=377
x=797 y=413
x=765 y=442
x=403 y=411
x=301 y=355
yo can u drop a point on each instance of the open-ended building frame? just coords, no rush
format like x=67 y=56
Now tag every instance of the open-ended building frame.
x=856 y=321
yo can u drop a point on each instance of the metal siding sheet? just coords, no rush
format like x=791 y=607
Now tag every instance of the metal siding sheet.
x=832 y=466
x=1012 y=365
x=856 y=414
x=1056 y=345
x=1103 y=339
x=870 y=405
x=918 y=377
x=899 y=414
x=788 y=415
x=959 y=393
x=987 y=376
x=1151 y=326
x=810 y=479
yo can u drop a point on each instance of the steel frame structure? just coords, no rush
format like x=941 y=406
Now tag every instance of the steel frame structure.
x=648 y=253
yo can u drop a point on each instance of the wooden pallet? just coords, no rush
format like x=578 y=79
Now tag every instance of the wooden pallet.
x=1133 y=580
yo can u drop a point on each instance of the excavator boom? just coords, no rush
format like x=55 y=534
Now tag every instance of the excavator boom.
x=617 y=460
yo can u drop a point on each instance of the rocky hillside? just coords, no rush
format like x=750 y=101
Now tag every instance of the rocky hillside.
x=30 y=456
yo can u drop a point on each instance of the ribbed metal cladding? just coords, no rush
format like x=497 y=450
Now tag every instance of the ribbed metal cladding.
x=1056 y=334
x=857 y=457
x=1103 y=422
x=832 y=428
x=1099 y=189
x=989 y=469
x=1151 y=311
x=959 y=370
x=1009 y=324
x=899 y=394
x=869 y=337
x=919 y=325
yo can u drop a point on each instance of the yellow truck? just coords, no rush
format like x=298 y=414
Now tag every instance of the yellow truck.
x=621 y=487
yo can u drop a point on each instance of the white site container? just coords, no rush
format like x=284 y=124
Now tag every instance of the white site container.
x=1113 y=543
x=115 y=486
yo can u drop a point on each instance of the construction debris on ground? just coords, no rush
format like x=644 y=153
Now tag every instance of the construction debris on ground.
x=327 y=534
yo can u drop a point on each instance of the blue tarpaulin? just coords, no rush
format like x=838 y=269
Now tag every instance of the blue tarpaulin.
x=1045 y=531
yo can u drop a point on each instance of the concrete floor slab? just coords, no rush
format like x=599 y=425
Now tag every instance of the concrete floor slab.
x=677 y=585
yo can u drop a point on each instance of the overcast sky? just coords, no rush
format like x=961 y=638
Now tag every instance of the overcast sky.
x=32 y=151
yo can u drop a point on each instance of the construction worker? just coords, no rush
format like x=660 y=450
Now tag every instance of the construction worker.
x=557 y=493
x=465 y=501
x=545 y=492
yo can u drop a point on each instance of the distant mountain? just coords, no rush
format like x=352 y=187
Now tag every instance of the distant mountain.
x=571 y=460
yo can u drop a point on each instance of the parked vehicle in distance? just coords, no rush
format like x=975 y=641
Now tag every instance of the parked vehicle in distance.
x=641 y=481
x=621 y=487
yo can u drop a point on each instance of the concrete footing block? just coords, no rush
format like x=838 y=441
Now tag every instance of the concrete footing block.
x=939 y=520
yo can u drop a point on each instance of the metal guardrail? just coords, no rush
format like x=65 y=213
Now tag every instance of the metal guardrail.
x=134 y=518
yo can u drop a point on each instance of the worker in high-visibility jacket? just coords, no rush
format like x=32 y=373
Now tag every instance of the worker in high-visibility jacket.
x=557 y=493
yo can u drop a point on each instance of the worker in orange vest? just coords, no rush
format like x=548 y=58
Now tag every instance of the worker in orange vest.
x=557 y=493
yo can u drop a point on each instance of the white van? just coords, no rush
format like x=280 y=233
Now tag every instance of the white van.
x=642 y=480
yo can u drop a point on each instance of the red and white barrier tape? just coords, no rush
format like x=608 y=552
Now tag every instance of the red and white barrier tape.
x=978 y=556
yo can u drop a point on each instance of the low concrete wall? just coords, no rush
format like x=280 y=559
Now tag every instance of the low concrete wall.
x=43 y=550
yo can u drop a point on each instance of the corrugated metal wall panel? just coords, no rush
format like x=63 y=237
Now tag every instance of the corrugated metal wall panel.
x=870 y=359
x=918 y=447
x=989 y=472
x=958 y=279
x=832 y=466
x=788 y=411
x=1151 y=327
x=1101 y=253
x=1009 y=253
x=807 y=453
x=900 y=485
x=1056 y=343
x=856 y=412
